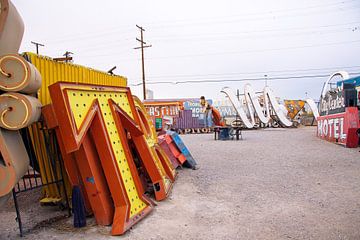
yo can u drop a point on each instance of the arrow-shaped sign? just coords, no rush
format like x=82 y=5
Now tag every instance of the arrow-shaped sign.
x=151 y=138
x=105 y=113
x=84 y=109
x=150 y=157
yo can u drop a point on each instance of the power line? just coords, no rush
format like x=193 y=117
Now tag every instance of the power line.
x=107 y=45
x=87 y=36
x=242 y=80
x=322 y=6
x=252 y=73
x=223 y=37
x=104 y=46
x=255 y=51
x=230 y=53
x=106 y=54
x=90 y=35
x=120 y=42
x=194 y=24
x=262 y=36
x=260 y=30
x=127 y=37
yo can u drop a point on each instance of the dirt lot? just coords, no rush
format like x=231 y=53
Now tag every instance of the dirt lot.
x=275 y=184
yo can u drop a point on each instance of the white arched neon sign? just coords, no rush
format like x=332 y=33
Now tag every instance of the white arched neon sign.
x=342 y=74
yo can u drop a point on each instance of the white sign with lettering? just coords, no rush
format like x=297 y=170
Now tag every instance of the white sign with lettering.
x=331 y=128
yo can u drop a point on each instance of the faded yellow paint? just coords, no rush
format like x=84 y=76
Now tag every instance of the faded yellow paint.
x=49 y=165
x=151 y=139
x=294 y=107
x=148 y=128
x=53 y=71
x=80 y=102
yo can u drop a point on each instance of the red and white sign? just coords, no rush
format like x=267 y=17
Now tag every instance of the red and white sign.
x=159 y=111
x=335 y=127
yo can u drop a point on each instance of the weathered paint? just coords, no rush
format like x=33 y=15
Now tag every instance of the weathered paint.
x=84 y=111
x=294 y=107
x=159 y=111
x=335 y=127
x=53 y=71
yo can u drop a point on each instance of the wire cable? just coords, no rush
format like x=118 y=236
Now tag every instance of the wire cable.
x=240 y=80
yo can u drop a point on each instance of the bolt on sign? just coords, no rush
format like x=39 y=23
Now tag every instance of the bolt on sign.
x=103 y=118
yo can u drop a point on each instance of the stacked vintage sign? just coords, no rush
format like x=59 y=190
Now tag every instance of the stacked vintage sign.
x=19 y=81
x=338 y=119
x=107 y=141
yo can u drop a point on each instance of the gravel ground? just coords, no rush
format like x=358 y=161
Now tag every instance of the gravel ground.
x=274 y=184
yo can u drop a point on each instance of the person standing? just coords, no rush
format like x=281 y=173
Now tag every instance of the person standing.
x=206 y=109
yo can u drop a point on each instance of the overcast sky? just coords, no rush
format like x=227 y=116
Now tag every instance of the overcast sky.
x=198 y=40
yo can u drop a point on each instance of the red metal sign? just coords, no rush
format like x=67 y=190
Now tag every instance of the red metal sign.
x=335 y=127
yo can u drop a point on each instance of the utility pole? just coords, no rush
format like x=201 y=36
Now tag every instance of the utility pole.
x=37 y=46
x=111 y=70
x=142 y=46
x=238 y=94
x=266 y=78
x=67 y=56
